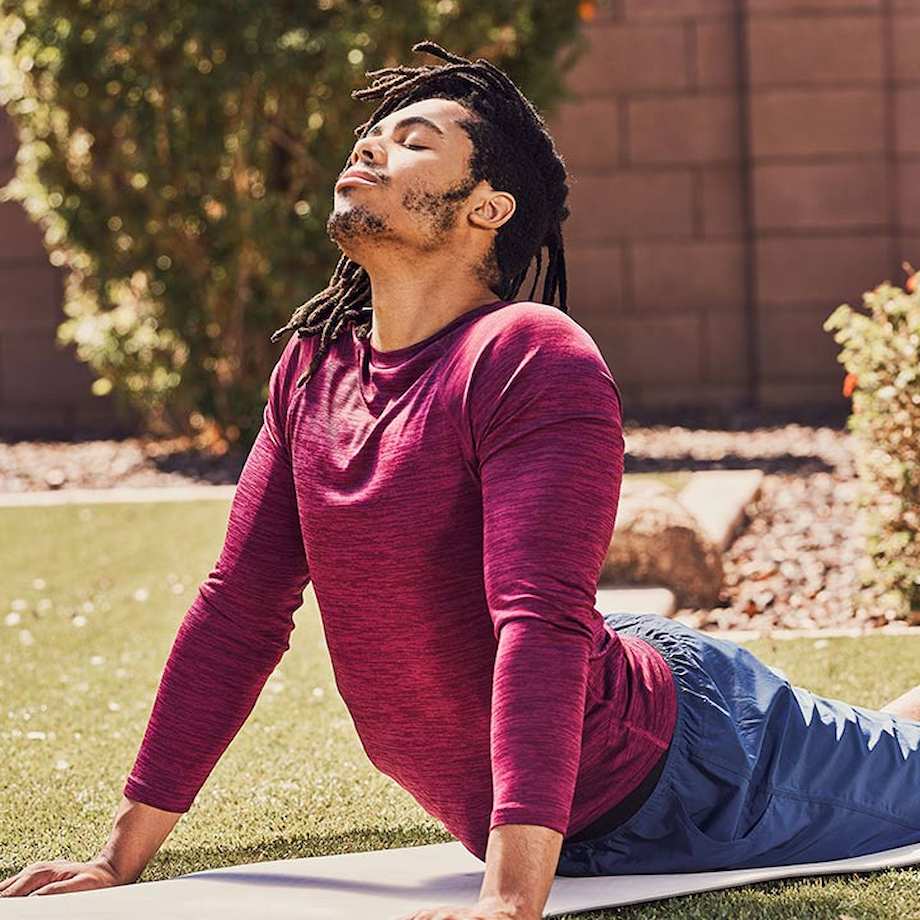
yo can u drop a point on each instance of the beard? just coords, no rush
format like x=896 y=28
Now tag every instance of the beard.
x=355 y=223
x=436 y=212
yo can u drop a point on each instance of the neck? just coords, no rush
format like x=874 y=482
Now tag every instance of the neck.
x=415 y=298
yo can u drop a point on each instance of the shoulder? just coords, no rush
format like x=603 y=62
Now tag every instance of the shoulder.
x=527 y=324
x=532 y=345
x=527 y=355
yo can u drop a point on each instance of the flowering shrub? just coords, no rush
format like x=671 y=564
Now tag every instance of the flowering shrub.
x=880 y=352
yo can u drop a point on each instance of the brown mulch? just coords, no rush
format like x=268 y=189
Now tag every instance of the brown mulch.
x=795 y=564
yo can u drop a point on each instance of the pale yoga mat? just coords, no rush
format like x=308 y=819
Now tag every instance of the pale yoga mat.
x=384 y=885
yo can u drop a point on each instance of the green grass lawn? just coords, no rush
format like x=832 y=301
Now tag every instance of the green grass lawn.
x=99 y=591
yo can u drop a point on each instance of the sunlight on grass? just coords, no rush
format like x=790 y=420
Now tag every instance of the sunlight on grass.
x=90 y=600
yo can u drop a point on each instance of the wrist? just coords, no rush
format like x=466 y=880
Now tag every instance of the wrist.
x=505 y=908
x=106 y=859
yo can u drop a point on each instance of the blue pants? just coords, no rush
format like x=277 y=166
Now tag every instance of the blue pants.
x=759 y=772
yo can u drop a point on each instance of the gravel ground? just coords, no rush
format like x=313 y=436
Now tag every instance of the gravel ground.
x=794 y=566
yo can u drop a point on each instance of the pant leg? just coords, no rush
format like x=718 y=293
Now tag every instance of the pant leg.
x=760 y=772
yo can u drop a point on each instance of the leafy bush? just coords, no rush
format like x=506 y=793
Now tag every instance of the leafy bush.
x=180 y=158
x=880 y=352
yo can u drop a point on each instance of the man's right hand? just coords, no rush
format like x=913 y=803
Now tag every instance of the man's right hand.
x=61 y=876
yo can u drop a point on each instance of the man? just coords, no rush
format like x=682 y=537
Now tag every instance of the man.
x=447 y=476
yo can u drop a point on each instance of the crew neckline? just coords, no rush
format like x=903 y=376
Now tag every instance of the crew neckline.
x=397 y=355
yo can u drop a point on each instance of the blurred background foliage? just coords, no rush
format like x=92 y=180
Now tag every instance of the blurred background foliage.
x=879 y=346
x=180 y=160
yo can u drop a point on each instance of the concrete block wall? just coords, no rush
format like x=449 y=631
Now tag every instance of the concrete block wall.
x=740 y=168
x=44 y=388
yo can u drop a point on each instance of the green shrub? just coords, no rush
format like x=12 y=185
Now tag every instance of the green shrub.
x=180 y=159
x=880 y=352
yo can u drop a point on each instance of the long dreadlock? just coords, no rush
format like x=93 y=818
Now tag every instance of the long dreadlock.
x=511 y=150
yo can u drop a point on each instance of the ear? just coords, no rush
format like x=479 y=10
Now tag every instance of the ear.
x=493 y=210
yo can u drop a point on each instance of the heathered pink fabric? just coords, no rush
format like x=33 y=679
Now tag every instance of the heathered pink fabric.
x=452 y=502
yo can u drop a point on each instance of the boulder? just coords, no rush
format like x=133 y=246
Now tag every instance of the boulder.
x=657 y=541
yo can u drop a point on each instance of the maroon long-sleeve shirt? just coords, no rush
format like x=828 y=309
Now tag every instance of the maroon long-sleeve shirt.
x=452 y=502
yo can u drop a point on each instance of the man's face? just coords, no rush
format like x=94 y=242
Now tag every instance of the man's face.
x=422 y=182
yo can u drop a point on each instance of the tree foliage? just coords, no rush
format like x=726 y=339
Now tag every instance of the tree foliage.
x=180 y=159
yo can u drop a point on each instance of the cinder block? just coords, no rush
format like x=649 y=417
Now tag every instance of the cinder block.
x=594 y=277
x=907 y=128
x=30 y=297
x=817 y=121
x=655 y=396
x=815 y=50
x=689 y=129
x=587 y=133
x=625 y=58
x=22 y=237
x=8 y=147
x=34 y=420
x=34 y=371
x=908 y=248
x=683 y=277
x=906 y=43
x=660 y=349
x=811 y=394
x=644 y=10
x=829 y=7
x=722 y=197
x=631 y=204
x=8 y=140
x=724 y=346
x=829 y=270
x=716 y=54
x=821 y=195
x=793 y=346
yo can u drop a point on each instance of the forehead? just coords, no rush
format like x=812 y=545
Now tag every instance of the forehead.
x=443 y=112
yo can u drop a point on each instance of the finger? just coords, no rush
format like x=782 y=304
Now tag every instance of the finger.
x=58 y=887
x=30 y=880
x=24 y=884
x=78 y=882
x=9 y=881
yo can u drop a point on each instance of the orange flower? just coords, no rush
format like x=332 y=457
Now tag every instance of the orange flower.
x=913 y=280
x=587 y=10
x=849 y=384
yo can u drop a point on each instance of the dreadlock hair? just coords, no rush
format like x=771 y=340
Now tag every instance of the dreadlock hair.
x=511 y=150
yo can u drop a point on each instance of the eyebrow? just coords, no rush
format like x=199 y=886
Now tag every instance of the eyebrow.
x=409 y=120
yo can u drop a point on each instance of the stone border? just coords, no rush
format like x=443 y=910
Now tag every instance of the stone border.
x=116 y=495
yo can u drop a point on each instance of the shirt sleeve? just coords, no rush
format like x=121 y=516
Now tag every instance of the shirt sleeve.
x=239 y=624
x=547 y=430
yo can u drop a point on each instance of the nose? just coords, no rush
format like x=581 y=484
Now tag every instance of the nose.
x=364 y=149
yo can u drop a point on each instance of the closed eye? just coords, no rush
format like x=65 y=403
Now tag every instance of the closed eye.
x=415 y=147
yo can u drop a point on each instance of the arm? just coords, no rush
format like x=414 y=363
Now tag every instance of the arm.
x=138 y=831
x=548 y=433
x=238 y=625
x=230 y=640
x=521 y=862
